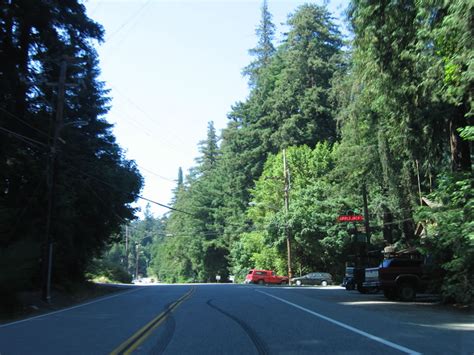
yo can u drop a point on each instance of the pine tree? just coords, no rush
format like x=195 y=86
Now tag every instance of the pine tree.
x=311 y=55
x=209 y=150
x=94 y=183
x=264 y=50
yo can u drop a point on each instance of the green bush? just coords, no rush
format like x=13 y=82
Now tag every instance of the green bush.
x=450 y=238
x=108 y=272
x=20 y=265
x=10 y=303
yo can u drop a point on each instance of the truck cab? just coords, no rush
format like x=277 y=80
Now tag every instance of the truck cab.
x=401 y=278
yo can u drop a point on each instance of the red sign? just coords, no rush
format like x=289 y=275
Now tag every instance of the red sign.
x=351 y=218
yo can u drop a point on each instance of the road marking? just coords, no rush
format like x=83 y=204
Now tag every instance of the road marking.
x=69 y=308
x=129 y=345
x=345 y=326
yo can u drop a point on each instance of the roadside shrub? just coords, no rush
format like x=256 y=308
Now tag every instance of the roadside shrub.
x=20 y=265
x=450 y=237
x=10 y=303
x=107 y=272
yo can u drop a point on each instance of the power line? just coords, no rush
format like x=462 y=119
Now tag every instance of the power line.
x=134 y=123
x=105 y=204
x=157 y=175
x=147 y=199
x=143 y=127
x=165 y=206
x=24 y=122
x=26 y=205
x=153 y=121
x=94 y=9
x=128 y=20
x=130 y=193
x=117 y=44
x=23 y=138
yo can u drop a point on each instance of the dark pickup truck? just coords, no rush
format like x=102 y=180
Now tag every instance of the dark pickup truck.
x=402 y=278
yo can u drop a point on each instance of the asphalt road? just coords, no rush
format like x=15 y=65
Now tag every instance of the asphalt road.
x=242 y=319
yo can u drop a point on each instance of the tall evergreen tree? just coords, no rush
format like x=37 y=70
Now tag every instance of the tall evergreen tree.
x=180 y=177
x=264 y=50
x=311 y=54
x=446 y=36
x=209 y=150
x=94 y=182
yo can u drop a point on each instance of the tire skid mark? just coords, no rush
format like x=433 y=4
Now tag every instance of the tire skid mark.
x=134 y=342
x=258 y=343
x=168 y=331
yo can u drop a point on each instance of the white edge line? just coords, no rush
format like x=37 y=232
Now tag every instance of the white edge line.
x=348 y=327
x=69 y=308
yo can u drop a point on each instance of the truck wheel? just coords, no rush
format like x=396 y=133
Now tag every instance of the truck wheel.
x=350 y=286
x=406 y=292
x=361 y=288
x=261 y=282
x=390 y=294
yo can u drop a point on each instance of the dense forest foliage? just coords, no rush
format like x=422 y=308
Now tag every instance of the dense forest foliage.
x=388 y=112
x=64 y=181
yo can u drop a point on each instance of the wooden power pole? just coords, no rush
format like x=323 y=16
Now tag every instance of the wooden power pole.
x=287 y=205
x=52 y=165
x=366 y=213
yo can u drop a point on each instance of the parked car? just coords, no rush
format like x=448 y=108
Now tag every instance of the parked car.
x=314 y=278
x=371 y=282
x=402 y=278
x=264 y=277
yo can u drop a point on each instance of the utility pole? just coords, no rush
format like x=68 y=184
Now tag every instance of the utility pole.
x=126 y=248
x=51 y=183
x=419 y=182
x=136 y=260
x=366 y=213
x=287 y=203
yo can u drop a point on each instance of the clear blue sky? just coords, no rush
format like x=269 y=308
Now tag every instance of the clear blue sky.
x=173 y=66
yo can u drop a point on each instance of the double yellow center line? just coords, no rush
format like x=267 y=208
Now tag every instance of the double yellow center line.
x=128 y=346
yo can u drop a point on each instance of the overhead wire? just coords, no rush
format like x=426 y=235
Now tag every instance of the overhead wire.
x=155 y=174
x=396 y=222
x=147 y=199
x=133 y=122
x=24 y=122
x=149 y=118
x=117 y=44
x=128 y=120
x=127 y=192
x=27 y=205
x=104 y=203
x=143 y=127
x=92 y=12
x=128 y=20
x=25 y=139
x=132 y=17
x=34 y=142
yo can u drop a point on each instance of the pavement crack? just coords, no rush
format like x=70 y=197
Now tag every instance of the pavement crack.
x=258 y=343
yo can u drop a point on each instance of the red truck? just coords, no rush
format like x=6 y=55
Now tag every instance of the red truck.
x=264 y=277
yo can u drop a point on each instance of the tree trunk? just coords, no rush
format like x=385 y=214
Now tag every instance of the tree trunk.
x=460 y=148
x=387 y=225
